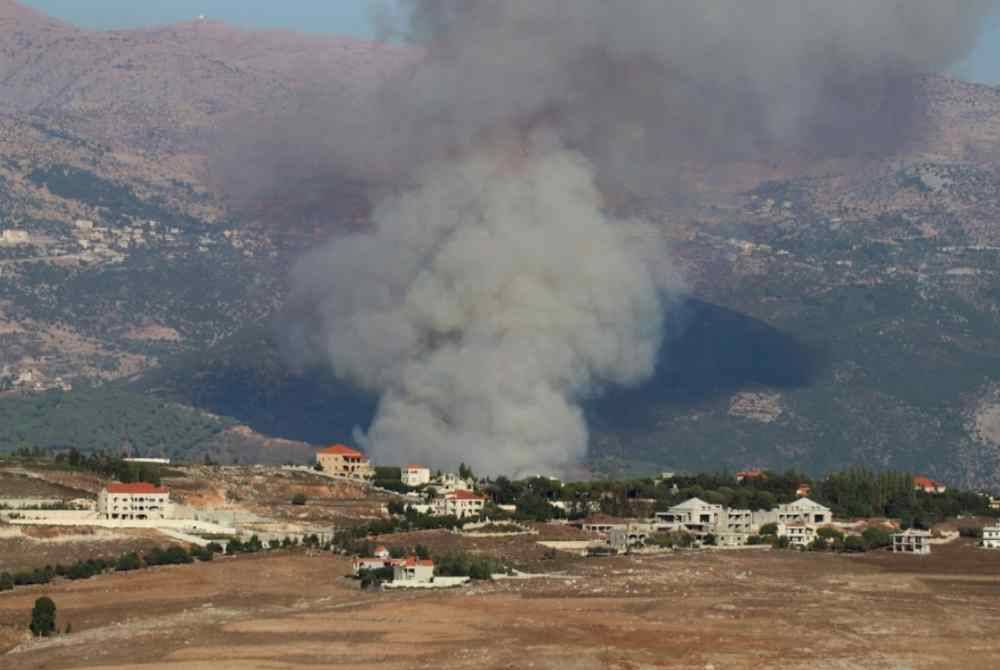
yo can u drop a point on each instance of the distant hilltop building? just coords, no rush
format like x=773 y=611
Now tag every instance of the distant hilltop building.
x=755 y=473
x=340 y=460
x=928 y=485
x=12 y=236
x=157 y=461
x=135 y=501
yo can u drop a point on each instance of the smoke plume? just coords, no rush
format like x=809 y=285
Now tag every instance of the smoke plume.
x=495 y=288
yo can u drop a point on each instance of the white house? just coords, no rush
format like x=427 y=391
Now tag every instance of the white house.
x=991 y=537
x=136 y=501
x=799 y=534
x=415 y=475
x=912 y=541
x=802 y=510
x=449 y=482
x=460 y=503
x=413 y=570
x=694 y=515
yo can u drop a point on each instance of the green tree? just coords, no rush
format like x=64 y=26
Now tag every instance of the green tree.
x=769 y=529
x=299 y=498
x=876 y=538
x=6 y=581
x=43 y=617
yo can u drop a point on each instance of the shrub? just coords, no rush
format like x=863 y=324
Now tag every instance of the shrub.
x=769 y=529
x=43 y=617
x=709 y=540
x=971 y=531
x=299 y=499
x=854 y=544
x=6 y=581
x=876 y=537
x=129 y=561
x=214 y=547
x=173 y=555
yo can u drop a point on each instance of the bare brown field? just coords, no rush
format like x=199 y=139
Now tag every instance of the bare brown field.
x=29 y=547
x=736 y=609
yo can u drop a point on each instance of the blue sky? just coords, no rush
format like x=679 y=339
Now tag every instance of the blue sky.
x=341 y=16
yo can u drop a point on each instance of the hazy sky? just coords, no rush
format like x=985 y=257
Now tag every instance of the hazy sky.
x=337 y=16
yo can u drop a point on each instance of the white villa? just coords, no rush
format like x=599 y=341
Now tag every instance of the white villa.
x=415 y=475
x=798 y=534
x=732 y=526
x=912 y=541
x=136 y=501
x=460 y=503
x=991 y=537
x=449 y=482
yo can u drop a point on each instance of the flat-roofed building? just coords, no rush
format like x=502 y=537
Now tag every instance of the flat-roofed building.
x=133 y=502
x=912 y=541
x=415 y=475
x=991 y=537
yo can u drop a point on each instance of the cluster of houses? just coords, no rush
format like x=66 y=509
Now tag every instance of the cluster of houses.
x=729 y=527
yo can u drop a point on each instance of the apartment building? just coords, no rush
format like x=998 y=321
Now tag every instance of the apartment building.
x=912 y=541
x=991 y=537
x=459 y=504
x=342 y=461
x=135 y=501
x=415 y=475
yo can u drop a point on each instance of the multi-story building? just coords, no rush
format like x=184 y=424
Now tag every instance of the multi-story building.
x=342 y=461
x=694 y=515
x=912 y=541
x=799 y=534
x=460 y=504
x=802 y=510
x=732 y=526
x=415 y=475
x=991 y=537
x=132 y=502
x=449 y=482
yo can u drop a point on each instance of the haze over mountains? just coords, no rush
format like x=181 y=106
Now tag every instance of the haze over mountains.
x=841 y=311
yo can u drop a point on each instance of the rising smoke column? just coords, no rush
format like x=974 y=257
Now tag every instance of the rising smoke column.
x=490 y=297
x=494 y=290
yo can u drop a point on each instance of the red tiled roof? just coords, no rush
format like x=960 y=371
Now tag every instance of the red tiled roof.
x=341 y=450
x=755 y=473
x=413 y=560
x=925 y=482
x=136 y=487
x=414 y=467
x=462 y=494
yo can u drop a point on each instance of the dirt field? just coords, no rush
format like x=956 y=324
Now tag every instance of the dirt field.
x=28 y=547
x=723 y=610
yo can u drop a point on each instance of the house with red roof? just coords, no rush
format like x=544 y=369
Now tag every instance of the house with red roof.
x=340 y=460
x=755 y=473
x=459 y=503
x=133 y=501
x=928 y=485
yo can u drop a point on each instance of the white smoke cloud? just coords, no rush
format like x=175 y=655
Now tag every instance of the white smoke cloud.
x=493 y=291
x=489 y=298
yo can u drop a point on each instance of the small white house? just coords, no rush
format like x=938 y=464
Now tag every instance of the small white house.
x=413 y=570
x=912 y=541
x=991 y=537
x=415 y=475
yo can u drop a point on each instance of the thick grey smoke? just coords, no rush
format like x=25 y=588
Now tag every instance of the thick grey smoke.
x=494 y=290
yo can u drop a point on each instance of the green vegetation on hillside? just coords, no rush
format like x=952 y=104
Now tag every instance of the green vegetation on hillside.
x=105 y=418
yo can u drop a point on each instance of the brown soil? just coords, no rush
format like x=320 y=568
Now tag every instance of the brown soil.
x=28 y=547
x=730 y=610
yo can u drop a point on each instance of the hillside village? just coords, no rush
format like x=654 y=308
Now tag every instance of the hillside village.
x=751 y=510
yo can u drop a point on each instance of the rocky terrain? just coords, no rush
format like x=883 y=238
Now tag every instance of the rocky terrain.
x=839 y=311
